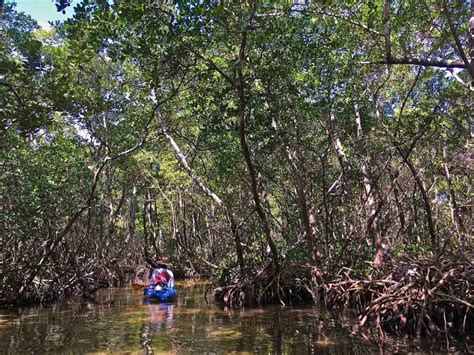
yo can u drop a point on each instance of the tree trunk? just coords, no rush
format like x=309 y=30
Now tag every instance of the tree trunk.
x=252 y=174
x=426 y=203
x=471 y=34
x=374 y=229
x=132 y=216
x=307 y=219
x=238 y=244
x=455 y=215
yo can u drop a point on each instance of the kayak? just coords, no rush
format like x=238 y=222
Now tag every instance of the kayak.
x=164 y=295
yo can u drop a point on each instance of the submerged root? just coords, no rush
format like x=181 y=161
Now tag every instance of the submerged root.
x=417 y=296
x=420 y=297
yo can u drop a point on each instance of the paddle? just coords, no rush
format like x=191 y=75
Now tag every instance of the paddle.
x=138 y=286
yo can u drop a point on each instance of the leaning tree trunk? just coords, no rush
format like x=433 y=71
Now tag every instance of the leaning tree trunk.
x=218 y=201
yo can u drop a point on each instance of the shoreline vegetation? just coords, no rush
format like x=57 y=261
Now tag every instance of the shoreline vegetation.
x=419 y=297
x=291 y=153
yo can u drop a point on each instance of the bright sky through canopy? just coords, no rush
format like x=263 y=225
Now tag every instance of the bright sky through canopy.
x=42 y=10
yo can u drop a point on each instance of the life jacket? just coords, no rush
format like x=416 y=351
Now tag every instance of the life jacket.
x=160 y=277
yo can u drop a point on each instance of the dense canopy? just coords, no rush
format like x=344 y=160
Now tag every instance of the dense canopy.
x=277 y=146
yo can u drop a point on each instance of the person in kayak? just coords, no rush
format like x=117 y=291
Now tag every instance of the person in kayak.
x=162 y=277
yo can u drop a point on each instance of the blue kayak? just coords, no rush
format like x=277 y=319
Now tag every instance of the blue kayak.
x=165 y=295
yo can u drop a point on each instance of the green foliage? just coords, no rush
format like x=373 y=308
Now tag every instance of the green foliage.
x=82 y=108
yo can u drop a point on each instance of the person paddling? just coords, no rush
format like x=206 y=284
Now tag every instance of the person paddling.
x=162 y=277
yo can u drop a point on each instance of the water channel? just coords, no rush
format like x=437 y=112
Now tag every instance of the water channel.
x=125 y=324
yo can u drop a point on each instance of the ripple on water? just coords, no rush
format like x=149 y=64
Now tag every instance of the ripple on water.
x=221 y=332
x=129 y=326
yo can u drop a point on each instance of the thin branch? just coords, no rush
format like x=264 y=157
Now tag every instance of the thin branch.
x=343 y=18
x=12 y=89
x=459 y=79
x=462 y=53
x=387 y=30
x=211 y=65
x=423 y=62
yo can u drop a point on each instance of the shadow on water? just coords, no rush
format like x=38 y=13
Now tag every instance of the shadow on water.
x=130 y=325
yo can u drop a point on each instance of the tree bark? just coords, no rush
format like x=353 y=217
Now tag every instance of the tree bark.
x=387 y=30
x=426 y=203
x=455 y=215
x=308 y=219
x=238 y=244
x=242 y=106
x=131 y=222
x=373 y=230
x=471 y=44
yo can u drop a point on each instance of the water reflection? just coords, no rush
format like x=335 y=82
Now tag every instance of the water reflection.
x=130 y=325
x=161 y=314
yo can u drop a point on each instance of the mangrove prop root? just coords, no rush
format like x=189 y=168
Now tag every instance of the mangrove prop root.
x=416 y=296
x=287 y=286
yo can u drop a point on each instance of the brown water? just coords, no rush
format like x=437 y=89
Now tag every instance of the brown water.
x=129 y=326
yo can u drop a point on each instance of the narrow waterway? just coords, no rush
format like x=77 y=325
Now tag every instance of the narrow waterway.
x=126 y=324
